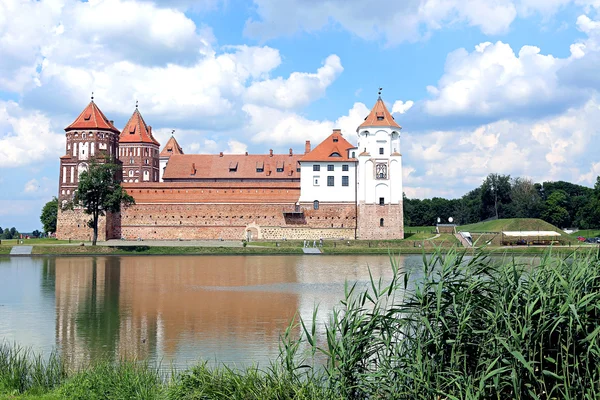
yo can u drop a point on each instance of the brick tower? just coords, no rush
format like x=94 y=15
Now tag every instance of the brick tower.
x=90 y=137
x=379 y=177
x=139 y=151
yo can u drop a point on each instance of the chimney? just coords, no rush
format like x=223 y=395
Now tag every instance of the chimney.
x=246 y=153
x=291 y=153
x=307 y=147
x=150 y=130
x=270 y=152
x=221 y=154
x=193 y=169
x=112 y=122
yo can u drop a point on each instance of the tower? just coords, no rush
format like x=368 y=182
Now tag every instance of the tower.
x=91 y=136
x=172 y=147
x=379 y=181
x=138 y=151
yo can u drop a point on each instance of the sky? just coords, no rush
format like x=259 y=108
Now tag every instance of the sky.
x=502 y=86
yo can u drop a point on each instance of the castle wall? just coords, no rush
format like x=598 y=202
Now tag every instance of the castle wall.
x=172 y=221
x=369 y=217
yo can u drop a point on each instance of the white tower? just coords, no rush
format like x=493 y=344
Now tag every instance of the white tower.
x=379 y=192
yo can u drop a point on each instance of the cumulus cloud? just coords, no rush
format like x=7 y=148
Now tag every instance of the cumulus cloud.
x=549 y=148
x=299 y=90
x=31 y=186
x=27 y=137
x=396 y=21
x=401 y=107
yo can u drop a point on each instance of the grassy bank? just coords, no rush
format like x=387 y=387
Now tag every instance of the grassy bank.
x=471 y=328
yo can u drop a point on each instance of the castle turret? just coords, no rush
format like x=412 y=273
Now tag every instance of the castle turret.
x=91 y=136
x=171 y=148
x=139 y=151
x=379 y=192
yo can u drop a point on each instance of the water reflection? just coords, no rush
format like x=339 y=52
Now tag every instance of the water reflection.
x=171 y=309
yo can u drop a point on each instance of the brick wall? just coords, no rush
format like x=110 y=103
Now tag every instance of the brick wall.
x=231 y=221
x=72 y=224
x=369 y=217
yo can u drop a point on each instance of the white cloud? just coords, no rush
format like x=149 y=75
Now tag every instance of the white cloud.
x=298 y=90
x=31 y=186
x=236 y=147
x=401 y=107
x=287 y=128
x=393 y=21
x=549 y=148
x=27 y=137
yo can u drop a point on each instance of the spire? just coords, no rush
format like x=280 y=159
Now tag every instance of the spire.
x=92 y=118
x=172 y=147
x=380 y=116
x=136 y=130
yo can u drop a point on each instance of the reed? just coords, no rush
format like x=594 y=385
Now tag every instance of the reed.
x=472 y=328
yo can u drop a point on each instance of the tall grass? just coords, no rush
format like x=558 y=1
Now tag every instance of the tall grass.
x=469 y=328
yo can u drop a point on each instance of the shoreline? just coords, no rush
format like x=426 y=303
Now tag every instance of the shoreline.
x=45 y=250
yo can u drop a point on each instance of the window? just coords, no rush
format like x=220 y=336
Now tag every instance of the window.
x=344 y=181
x=261 y=169
x=316 y=204
x=280 y=169
x=315 y=181
x=353 y=154
x=330 y=181
x=146 y=161
x=381 y=222
x=330 y=167
x=381 y=150
x=131 y=161
x=345 y=167
x=335 y=154
x=335 y=139
x=381 y=171
x=316 y=167
x=382 y=201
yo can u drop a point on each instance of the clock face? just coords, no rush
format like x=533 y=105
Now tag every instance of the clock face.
x=381 y=171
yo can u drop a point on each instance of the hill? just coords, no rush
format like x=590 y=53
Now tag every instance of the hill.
x=511 y=224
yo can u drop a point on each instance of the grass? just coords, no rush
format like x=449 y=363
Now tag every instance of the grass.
x=29 y=242
x=511 y=224
x=586 y=233
x=419 y=229
x=471 y=328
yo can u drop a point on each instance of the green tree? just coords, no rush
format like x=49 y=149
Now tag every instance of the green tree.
x=99 y=191
x=49 y=215
x=555 y=210
x=36 y=233
x=495 y=192
x=525 y=199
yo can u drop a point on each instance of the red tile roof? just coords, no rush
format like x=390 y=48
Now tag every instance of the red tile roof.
x=92 y=118
x=136 y=131
x=171 y=148
x=334 y=148
x=380 y=116
x=231 y=166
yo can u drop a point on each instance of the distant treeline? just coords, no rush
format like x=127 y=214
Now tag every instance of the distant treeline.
x=562 y=204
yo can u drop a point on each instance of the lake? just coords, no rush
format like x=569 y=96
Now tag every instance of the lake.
x=176 y=310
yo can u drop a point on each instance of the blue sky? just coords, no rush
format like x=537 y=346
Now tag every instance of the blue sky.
x=506 y=86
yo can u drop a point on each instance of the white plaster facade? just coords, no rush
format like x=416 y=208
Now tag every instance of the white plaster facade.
x=379 y=165
x=315 y=185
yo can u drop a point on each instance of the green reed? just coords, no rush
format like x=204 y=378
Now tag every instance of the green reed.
x=471 y=328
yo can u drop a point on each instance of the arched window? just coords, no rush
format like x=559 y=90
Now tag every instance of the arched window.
x=316 y=204
x=381 y=222
x=130 y=172
x=146 y=175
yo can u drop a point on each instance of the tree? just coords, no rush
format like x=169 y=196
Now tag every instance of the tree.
x=49 y=215
x=99 y=191
x=495 y=191
x=525 y=198
x=555 y=210
x=36 y=233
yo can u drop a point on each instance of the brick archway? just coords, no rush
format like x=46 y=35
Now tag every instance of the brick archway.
x=252 y=232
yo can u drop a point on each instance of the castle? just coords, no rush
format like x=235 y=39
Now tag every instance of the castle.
x=336 y=190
